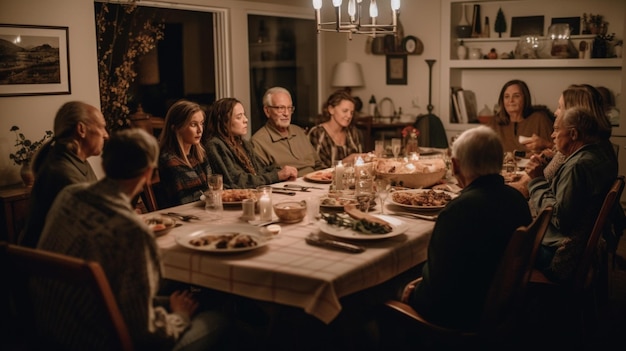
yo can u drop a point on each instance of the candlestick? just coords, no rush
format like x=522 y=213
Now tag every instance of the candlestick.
x=265 y=208
x=339 y=169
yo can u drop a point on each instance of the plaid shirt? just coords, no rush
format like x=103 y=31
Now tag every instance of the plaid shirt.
x=181 y=184
x=324 y=144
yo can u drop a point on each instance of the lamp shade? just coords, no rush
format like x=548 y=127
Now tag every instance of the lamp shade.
x=347 y=74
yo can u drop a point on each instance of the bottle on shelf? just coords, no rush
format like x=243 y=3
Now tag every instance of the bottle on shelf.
x=486 y=31
x=372 y=106
x=461 y=51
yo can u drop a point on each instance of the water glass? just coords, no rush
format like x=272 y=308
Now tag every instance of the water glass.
x=213 y=204
x=382 y=189
x=312 y=208
x=379 y=148
x=216 y=182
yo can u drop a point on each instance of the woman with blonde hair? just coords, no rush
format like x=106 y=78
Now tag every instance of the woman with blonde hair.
x=183 y=163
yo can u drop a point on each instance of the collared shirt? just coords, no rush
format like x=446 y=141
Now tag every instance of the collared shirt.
x=292 y=150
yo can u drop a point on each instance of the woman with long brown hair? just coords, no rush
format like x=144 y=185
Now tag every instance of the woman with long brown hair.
x=183 y=163
x=233 y=156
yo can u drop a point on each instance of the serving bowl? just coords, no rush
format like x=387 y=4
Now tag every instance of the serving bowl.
x=412 y=174
x=160 y=224
x=290 y=211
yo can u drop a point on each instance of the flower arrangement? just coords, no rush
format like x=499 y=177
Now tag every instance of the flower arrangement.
x=410 y=131
x=124 y=34
x=26 y=148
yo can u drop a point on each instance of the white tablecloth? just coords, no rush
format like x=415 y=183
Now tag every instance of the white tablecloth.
x=287 y=270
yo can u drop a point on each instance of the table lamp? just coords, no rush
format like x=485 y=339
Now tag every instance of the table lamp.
x=347 y=75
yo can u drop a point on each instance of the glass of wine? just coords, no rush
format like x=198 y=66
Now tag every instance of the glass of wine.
x=382 y=190
x=396 y=145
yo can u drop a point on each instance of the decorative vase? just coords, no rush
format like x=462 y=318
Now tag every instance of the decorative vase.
x=461 y=51
x=28 y=177
x=599 y=48
x=475 y=54
x=411 y=145
x=464 y=28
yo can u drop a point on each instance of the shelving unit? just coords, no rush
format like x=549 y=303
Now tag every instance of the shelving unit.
x=546 y=77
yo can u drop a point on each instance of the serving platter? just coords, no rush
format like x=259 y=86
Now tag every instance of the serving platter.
x=252 y=231
x=393 y=198
x=322 y=177
x=399 y=227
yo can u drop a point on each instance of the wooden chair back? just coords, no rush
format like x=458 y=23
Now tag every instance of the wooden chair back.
x=150 y=192
x=505 y=295
x=20 y=264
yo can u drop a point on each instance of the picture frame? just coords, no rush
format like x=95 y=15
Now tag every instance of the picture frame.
x=527 y=25
x=36 y=60
x=396 y=69
x=574 y=23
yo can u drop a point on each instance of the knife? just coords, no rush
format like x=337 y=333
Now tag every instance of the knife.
x=283 y=191
x=314 y=239
x=415 y=215
x=301 y=187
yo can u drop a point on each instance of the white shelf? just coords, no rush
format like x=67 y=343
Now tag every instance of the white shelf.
x=612 y=63
x=516 y=39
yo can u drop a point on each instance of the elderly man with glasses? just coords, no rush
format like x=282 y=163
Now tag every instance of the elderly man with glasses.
x=280 y=142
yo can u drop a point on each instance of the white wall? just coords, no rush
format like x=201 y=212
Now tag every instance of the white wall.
x=35 y=114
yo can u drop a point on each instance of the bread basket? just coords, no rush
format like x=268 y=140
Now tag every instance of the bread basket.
x=411 y=174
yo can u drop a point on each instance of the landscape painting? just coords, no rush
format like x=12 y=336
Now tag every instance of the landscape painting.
x=34 y=60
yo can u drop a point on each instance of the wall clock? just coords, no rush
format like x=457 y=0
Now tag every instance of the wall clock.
x=412 y=45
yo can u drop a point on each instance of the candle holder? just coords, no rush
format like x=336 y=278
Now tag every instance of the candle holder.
x=265 y=202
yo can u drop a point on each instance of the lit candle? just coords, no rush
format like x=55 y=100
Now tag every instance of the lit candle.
x=339 y=169
x=265 y=208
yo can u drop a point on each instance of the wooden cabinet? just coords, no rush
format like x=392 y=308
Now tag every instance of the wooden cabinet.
x=546 y=78
x=14 y=200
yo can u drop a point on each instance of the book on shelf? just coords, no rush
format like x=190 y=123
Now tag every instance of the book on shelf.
x=455 y=110
x=471 y=106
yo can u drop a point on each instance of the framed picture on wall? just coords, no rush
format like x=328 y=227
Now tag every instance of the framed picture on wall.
x=35 y=60
x=396 y=70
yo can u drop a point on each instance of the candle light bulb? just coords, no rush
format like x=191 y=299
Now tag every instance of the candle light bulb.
x=395 y=5
x=337 y=3
x=351 y=9
x=317 y=4
x=373 y=9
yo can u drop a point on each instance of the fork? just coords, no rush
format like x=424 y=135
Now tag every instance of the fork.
x=415 y=216
x=183 y=217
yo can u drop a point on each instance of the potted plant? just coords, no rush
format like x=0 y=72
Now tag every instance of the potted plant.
x=600 y=47
x=594 y=24
x=26 y=149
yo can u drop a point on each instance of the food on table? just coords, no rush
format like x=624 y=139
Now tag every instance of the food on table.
x=427 y=198
x=410 y=166
x=321 y=175
x=330 y=201
x=224 y=241
x=159 y=223
x=366 y=223
x=238 y=195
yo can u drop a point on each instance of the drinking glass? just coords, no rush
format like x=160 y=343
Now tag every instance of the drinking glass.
x=213 y=197
x=265 y=202
x=379 y=148
x=382 y=190
x=312 y=208
x=396 y=146
x=364 y=198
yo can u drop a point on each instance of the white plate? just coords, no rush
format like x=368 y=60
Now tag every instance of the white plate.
x=419 y=191
x=315 y=177
x=397 y=225
x=254 y=232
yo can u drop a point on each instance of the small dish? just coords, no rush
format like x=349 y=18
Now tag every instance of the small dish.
x=290 y=211
x=159 y=224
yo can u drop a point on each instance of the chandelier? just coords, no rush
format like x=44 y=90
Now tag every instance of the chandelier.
x=353 y=25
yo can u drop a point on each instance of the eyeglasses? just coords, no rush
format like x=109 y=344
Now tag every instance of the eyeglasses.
x=283 y=109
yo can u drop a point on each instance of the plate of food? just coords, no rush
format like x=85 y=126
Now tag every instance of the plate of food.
x=224 y=239
x=234 y=197
x=159 y=224
x=422 y=199
x=346 y=227
x=323 y=177
x=331 y=204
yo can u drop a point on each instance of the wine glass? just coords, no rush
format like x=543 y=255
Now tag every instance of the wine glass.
x=364 y=198
x=396 y=145
x=382 y=190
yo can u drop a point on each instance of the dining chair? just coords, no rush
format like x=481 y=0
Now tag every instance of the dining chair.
x=504 y=298
x=588 y=291
x=151 y=191
x=432 y=131
x=364 y=123
x=20 y=264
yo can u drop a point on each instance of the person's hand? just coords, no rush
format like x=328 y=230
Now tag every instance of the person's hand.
x=536 y=143
x=183 y=303
x=288 y=173
x=521 y=185
x=536 y=165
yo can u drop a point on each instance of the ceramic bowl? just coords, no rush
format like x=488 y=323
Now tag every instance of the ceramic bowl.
x=159 y=224
x=290 y=211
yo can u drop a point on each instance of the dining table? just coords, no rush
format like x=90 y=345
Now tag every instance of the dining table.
x=287 y=270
